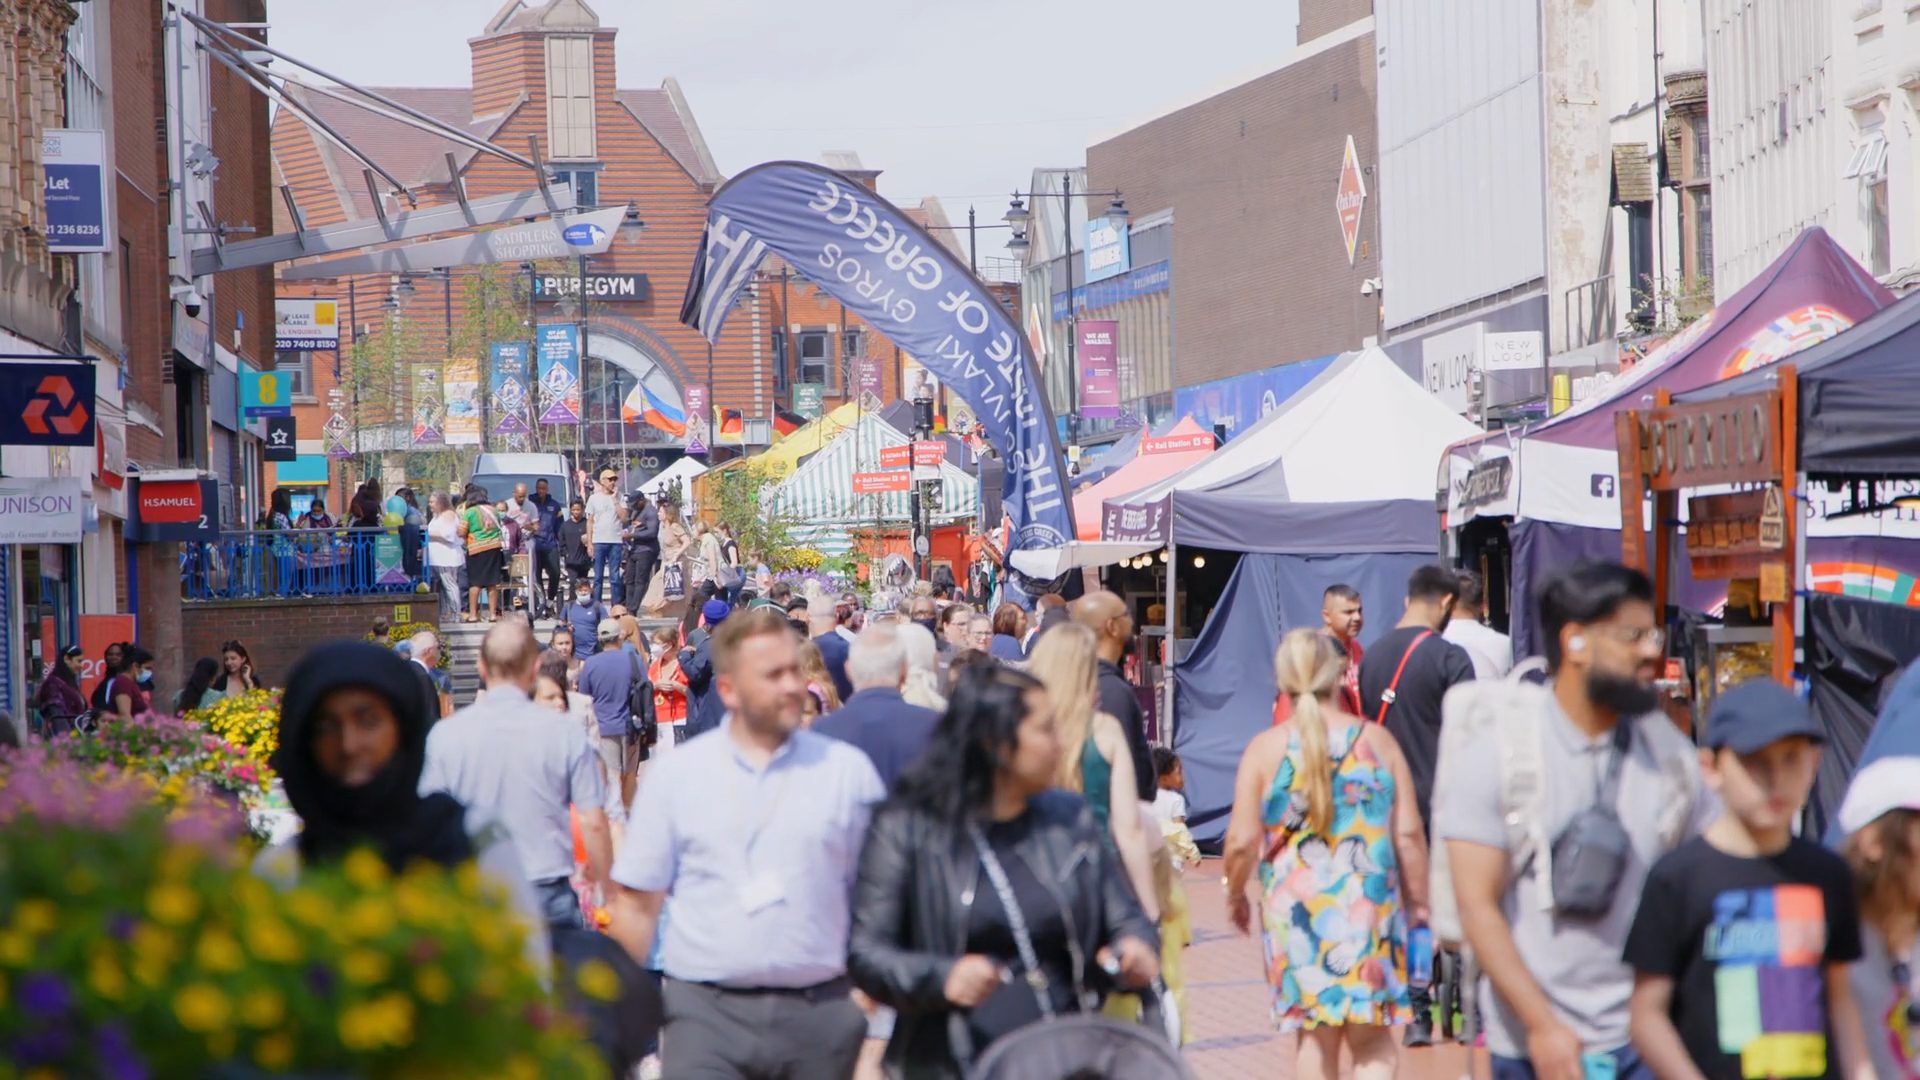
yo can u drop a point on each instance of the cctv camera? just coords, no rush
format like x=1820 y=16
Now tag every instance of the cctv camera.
x=191 y=302
x=1370 y=286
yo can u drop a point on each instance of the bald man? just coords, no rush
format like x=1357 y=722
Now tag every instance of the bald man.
x=518 y=766
x=1106 y=615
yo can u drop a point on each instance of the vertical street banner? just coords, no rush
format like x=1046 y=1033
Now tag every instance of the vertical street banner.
x=389 y=559
x=871 y=381
x=336 y=429
x=429 y=408
x=698 y=418
x=866 y=254
x=462 y=389
x=559 y=348
x=508 y=388
x=808 y=398
x=1099 y=369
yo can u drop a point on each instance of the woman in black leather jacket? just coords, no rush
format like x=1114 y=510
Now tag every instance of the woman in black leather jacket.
x=970 y=823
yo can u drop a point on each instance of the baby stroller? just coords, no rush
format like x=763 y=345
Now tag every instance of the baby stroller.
x=1081 y=1048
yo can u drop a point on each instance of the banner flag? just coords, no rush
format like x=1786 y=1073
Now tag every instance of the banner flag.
x=1099 y=369
x=429 y=408
x=336 y=428
x=507 y=387
x=462 y=389
x=698 y=429
x=559 y=375
x=863 y=251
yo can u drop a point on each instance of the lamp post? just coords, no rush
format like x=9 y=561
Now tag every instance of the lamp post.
x=630 y=229
x=973 y=228
x=1018 y=217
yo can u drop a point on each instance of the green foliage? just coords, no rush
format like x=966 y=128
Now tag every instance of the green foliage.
x=739 y=493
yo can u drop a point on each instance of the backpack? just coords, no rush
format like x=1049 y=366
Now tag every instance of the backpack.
x=1515 y=710
x=642 y=720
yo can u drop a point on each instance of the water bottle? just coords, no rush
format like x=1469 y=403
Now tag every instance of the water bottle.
x=1420 y=957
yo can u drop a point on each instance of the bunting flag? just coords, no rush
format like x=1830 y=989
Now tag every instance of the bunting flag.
x=861 y=250
x=786 y=422
x=647 y=407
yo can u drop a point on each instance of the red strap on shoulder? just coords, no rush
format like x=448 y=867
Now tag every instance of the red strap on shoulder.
x=1387 y=695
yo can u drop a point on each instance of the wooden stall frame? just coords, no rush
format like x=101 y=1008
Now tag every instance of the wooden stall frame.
x=1650 y=462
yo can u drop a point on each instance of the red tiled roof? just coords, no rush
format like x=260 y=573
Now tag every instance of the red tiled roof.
x=415 y=157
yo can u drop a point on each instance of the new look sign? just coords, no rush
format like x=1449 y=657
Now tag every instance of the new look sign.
x=76 y=190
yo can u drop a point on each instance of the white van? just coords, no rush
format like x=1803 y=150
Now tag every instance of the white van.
x=498 y=473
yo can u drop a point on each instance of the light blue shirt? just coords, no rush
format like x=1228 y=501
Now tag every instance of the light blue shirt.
x=759 y=862
x=518 y=766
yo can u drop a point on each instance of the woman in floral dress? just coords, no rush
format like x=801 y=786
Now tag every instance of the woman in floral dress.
x=1324 y=807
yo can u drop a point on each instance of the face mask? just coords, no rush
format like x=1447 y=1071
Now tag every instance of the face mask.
x=146 y=678
x=582 y=599
x=659 y=650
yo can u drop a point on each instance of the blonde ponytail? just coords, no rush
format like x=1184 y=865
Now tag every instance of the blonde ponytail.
x=1307 y=668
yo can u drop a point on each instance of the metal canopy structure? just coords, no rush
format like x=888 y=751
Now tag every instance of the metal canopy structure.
x=246 y=56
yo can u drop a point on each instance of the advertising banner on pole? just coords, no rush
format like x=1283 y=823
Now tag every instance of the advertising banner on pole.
x=306 y=325
x=337 y=429
x=862 y=251
x=872 y=383
x=507 y=385
x=462 y=390
x=389 y=559
x=76 y=191
x=559 y=360
x=1099 y=369
x=698 y=418
x=429 y=408
x=807 y=399
x=39 y=511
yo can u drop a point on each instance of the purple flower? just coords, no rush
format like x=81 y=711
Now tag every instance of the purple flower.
x=44 y=995
x=116 y=1054
x=44 y=1046
x=321 y=979
x=120 y=926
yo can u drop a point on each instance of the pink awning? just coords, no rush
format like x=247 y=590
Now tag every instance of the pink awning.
x=1160 y=456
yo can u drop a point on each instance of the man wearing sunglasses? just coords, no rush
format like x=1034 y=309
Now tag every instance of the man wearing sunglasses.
x=605 y=516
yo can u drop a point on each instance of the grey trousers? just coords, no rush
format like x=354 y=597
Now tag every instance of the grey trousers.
x=717 y=1034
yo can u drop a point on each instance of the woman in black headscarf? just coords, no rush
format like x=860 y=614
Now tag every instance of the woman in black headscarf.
x=353 y=743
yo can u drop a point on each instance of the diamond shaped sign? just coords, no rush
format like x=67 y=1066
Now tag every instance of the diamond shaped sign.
x=696 y=448
x=1350 y=197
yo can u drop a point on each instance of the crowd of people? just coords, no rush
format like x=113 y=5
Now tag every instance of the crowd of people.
x=842 y=839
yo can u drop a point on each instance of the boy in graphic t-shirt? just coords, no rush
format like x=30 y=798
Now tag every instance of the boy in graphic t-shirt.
x=1741 y=944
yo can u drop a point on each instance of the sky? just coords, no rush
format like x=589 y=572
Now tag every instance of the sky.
x=960 y=108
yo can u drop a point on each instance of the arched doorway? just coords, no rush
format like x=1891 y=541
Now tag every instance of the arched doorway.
x=615 y=366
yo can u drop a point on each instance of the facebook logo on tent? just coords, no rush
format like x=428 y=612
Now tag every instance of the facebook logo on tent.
x=1601 y=484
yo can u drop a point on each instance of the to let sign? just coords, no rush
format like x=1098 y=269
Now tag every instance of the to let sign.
x=76 y=190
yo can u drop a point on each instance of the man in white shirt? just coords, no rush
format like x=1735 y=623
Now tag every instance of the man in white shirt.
x=1490 y=650
x=605 y=514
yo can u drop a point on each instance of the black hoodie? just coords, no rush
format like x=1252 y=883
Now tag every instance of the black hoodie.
x=387 y=813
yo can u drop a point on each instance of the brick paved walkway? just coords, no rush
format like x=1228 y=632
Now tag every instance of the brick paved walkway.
x=1227 y=1002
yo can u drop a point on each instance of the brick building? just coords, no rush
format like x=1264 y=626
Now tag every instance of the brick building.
x=1235 y=258
x=545 y=74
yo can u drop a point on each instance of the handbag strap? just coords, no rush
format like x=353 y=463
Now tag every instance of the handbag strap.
x=1393 y=687
x=1016 y=919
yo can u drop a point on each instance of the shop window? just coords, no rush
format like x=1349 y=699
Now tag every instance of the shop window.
x=1699 y=229
x=298 y=369
x=570 y=97
x=815 y=356
x=1879 y=229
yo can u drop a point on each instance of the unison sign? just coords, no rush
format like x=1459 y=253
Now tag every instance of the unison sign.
x=599 y=286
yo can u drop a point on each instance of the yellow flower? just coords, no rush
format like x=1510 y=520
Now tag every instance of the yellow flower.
x=598 y=980
x=15 y=949
x=384 y=1021
x=201 y=1008
x=310 y=908
x=369 y=918
x=104 y=976
x=364 y=966
x=365 y=869
x=416 y=903
x=274 y=1052
x=35 y=917
x=467 y=879
x=271 y=941
x=264 y=1009
x=522 y=1067
x=434 y=986
x=172 y=903
x=218 y=952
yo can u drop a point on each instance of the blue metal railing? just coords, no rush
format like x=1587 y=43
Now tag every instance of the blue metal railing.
x=263 y=564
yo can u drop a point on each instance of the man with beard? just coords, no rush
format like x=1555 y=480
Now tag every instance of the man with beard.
x=1410 y=668
x=1588 y=750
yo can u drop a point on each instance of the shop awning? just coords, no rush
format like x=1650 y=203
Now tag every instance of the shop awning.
x=1184 y=445
x=820 y=492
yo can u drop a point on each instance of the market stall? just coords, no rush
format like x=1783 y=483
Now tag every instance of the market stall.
x=1183 y=446
x=1850 y=479
x=860 y=481
x=1555 y=484
x=1333 y=485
